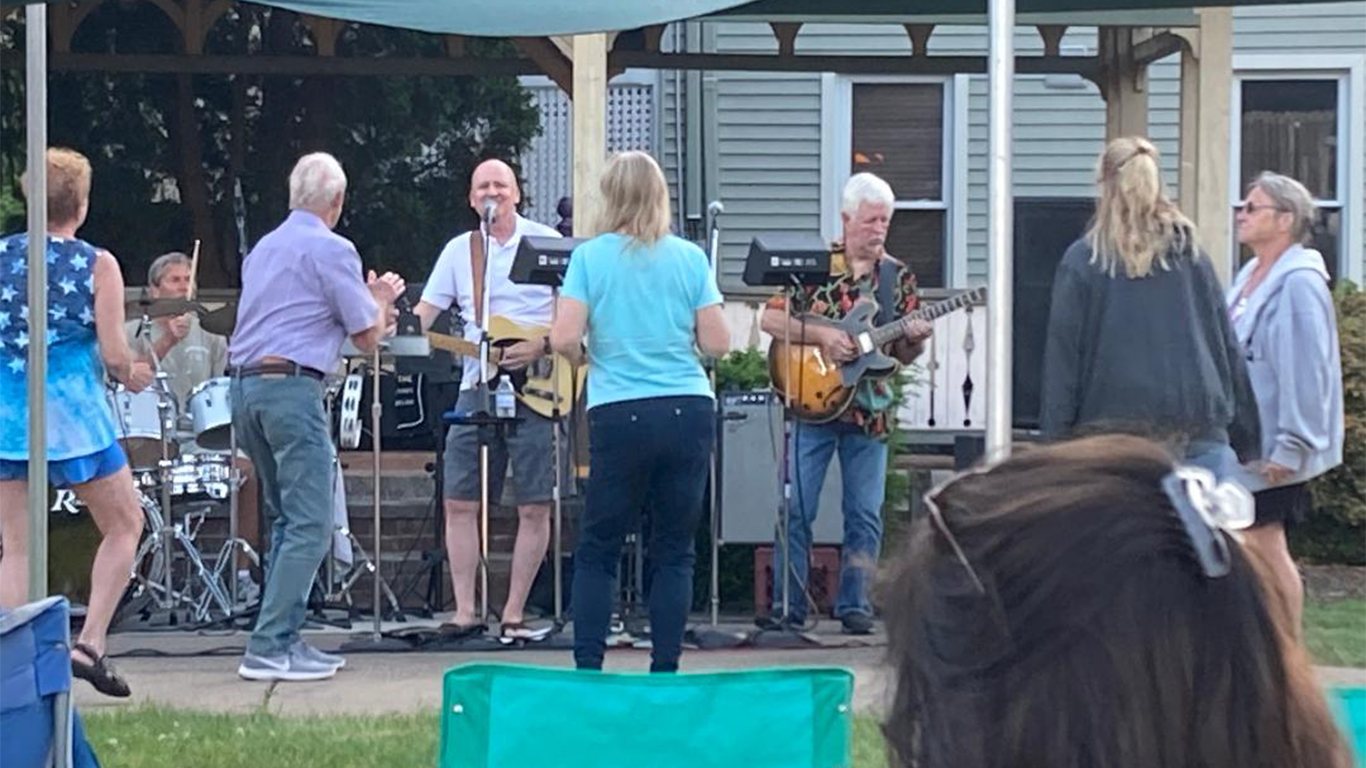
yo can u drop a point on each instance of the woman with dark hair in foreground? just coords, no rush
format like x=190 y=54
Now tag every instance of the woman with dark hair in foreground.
x=1085 y=605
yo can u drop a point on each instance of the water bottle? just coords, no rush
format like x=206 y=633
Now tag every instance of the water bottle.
x=504 y=398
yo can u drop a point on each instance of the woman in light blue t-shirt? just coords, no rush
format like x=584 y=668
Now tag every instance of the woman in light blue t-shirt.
x=647 y=302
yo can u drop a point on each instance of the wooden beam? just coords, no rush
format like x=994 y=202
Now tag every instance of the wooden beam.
x=590 y=126
x=283 y=65
x=1206 y=86
x=1159 y=46
x=325 y=31
x=920 y=38
x=926 y=65
x=786 y=32
x=653 y=34
x=1123 y=84
x=1051 y=34
x=551 y=60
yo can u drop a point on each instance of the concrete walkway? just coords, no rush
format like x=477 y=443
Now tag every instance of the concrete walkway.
x=375 y=683
x=198 y=671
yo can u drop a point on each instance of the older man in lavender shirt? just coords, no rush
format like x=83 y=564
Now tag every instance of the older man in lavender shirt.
x=302 y=296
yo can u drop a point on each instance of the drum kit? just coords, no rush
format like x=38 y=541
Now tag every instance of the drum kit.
x=183 y=470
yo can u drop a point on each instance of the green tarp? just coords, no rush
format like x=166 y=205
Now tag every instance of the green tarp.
x=501 y=716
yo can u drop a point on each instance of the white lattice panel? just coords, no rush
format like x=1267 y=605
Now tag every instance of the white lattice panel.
x=547 y=166
x=950 y=393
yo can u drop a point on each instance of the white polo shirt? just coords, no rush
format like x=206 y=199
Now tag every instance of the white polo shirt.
x=452 y=283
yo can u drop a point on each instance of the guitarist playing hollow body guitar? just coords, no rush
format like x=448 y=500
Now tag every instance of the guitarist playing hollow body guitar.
x=862 y=271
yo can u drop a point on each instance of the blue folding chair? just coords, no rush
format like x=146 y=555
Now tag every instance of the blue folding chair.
x=39 y=727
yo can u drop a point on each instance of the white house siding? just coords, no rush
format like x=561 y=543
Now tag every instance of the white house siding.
x=765 y=129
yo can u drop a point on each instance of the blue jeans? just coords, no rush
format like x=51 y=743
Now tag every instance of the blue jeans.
x=863 y=466
x=1213 y=455
x=282 y=428
x=650 y=455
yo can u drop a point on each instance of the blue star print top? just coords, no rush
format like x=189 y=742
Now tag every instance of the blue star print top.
x=79 y=419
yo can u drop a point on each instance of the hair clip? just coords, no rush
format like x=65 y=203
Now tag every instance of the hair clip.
x=1208 y=509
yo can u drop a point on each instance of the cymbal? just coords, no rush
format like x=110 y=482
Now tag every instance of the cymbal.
x=160 y=307
x=220 y=321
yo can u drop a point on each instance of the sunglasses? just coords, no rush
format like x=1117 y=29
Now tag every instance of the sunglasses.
x=1250 y=208
x=937 y=519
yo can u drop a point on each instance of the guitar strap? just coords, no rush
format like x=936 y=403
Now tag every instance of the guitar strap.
x=477 y=258
x=887 y=268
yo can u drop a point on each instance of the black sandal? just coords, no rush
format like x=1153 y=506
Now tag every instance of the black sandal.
x=99 y=672
x=452 y=631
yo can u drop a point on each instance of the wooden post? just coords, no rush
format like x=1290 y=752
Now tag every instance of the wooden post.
x=1124 y=84
x=590 y=126
x=1206 y=90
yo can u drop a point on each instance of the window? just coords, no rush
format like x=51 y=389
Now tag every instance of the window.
x=1296 y=125
x=898 y=128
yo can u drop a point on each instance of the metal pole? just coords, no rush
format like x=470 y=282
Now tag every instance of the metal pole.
x=1000 y=225
x=35 y=25
x=375 y=409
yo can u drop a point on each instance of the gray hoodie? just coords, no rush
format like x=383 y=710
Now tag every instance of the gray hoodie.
x=1288 y=330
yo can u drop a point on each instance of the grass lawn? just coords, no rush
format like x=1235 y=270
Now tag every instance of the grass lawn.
x=1335 y=632
x=149 y=737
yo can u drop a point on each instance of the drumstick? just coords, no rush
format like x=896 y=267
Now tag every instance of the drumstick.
x=194 y=269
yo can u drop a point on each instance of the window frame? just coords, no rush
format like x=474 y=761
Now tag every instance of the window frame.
x=837 y=100
x=1349 y=72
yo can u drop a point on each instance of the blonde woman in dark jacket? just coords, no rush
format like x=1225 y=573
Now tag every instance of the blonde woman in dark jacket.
x=1138 y=336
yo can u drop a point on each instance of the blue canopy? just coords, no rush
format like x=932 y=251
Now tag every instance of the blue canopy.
x=500 y=18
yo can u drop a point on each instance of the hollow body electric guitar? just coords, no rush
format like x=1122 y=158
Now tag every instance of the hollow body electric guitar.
x=820 y=390
x=535 y=384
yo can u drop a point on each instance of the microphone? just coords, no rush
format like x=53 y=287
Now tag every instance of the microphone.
x=490 y=210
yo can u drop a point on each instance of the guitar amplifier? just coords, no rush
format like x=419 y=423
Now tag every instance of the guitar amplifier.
x=751 y=449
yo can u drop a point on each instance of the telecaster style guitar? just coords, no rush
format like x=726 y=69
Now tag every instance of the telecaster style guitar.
x=535 y=385
x=820 y=390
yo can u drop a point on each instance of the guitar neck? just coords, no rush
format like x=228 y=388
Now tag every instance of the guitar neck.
x=887 y=333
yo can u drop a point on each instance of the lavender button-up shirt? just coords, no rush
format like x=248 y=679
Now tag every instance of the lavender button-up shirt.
x=302 y=295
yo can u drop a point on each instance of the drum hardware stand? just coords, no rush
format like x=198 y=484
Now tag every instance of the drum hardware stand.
x=376 y=640
x=166 y=534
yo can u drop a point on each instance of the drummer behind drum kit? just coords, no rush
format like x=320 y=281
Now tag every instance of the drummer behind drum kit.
x=179 y=490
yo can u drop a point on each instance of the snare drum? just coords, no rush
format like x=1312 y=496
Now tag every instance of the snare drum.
x=211 y=410
x=200 y=477
x=137 y=423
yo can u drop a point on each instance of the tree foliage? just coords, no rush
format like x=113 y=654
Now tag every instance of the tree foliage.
x=180 y=156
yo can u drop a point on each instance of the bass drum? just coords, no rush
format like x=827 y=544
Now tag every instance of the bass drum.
x=72 y=539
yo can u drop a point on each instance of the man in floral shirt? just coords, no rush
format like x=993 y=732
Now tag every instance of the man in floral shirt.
x=859 y=436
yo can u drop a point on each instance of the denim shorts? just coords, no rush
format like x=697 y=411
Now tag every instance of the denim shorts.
x=64 y=473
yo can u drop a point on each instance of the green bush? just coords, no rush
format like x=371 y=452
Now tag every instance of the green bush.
x=1337 y=531
x=742 y=369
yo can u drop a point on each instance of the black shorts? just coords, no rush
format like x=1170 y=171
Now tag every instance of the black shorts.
x=1287 y=505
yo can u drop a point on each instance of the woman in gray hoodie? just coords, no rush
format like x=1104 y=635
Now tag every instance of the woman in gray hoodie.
x=1283 y=315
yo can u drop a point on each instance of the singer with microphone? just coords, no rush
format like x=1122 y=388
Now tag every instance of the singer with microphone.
x=470 y=264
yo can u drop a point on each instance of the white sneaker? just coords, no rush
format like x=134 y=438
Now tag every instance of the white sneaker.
x=289 y=667
x=248 y=591
x=308 y=651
